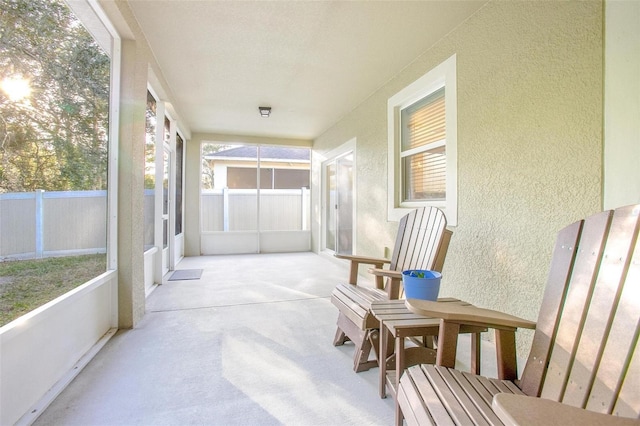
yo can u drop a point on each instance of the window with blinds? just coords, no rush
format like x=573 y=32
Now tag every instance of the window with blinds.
x=423 y=149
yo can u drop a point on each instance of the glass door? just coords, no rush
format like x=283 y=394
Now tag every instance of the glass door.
x=331 y=206
x=165 y=210
x=338 y=221
x=176 y=245
x=345 y=205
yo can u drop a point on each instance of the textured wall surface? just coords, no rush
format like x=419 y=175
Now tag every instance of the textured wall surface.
x=529 y=77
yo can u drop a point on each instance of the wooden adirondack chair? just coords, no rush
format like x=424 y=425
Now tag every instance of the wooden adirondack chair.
x=584 y=364
x=421 y=243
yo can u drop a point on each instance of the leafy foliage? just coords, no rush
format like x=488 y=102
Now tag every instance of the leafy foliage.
x=56 y=139
x=207 y=167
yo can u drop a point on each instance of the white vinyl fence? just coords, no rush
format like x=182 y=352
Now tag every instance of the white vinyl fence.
x=58 y=223
x=237 y=210
x=62 y=223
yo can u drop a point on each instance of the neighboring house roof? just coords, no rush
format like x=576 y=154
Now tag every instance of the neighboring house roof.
x=266 y=152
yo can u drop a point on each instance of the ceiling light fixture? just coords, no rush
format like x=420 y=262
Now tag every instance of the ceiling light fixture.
x=264 y=111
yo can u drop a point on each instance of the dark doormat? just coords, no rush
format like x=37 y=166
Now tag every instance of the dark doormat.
x=186 y=274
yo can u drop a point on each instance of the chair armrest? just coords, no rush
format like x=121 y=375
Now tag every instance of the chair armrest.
x=453 y=316
x=470 y=315
x=526 y=410
x=379 y=272
x=393 y=285
x=356 y=261
x=362 y=259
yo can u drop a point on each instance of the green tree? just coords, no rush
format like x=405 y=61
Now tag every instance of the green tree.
x=208 y=148
x=55 y=139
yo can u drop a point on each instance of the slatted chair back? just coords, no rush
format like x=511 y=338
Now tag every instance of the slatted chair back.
x=588 y=326
x=420 y=236
x=421 y=243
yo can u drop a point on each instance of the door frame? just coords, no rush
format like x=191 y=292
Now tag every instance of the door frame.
x=165 y=257
x=332 y=156
x=176 y=246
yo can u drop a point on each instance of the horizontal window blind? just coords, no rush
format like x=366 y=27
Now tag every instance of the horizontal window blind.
x=424 y=122
x=423 y=151
x=425 y=175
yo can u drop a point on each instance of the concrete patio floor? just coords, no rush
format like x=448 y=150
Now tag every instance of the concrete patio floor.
x=249 y=343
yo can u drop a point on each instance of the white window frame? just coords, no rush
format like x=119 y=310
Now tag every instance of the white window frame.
x=443 y=75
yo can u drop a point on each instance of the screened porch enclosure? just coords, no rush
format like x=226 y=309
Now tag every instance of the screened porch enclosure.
x=254 y=199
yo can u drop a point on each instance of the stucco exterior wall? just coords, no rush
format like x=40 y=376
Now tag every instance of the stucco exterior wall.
x=529 y=81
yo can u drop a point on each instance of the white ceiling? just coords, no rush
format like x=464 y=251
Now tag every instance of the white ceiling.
x=311 y=61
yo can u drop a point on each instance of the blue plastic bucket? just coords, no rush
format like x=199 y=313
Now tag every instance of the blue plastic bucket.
x=421 y=284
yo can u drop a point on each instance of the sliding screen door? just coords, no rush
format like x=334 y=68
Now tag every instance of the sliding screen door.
x=338 y=222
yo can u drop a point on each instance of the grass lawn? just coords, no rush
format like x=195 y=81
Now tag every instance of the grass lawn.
x=28 y=284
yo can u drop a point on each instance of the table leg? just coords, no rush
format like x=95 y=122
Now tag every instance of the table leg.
x=382 y=362
x=475 y=353
x=506 y=354
x=399 y=371
x=399 y=415
x=447 y=344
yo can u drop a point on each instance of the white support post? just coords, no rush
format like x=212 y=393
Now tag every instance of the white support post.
x=225 y=209
x=39 y=224
x=305 y=207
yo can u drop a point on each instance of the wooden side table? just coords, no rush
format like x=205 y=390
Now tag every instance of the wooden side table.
x=397 y=322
